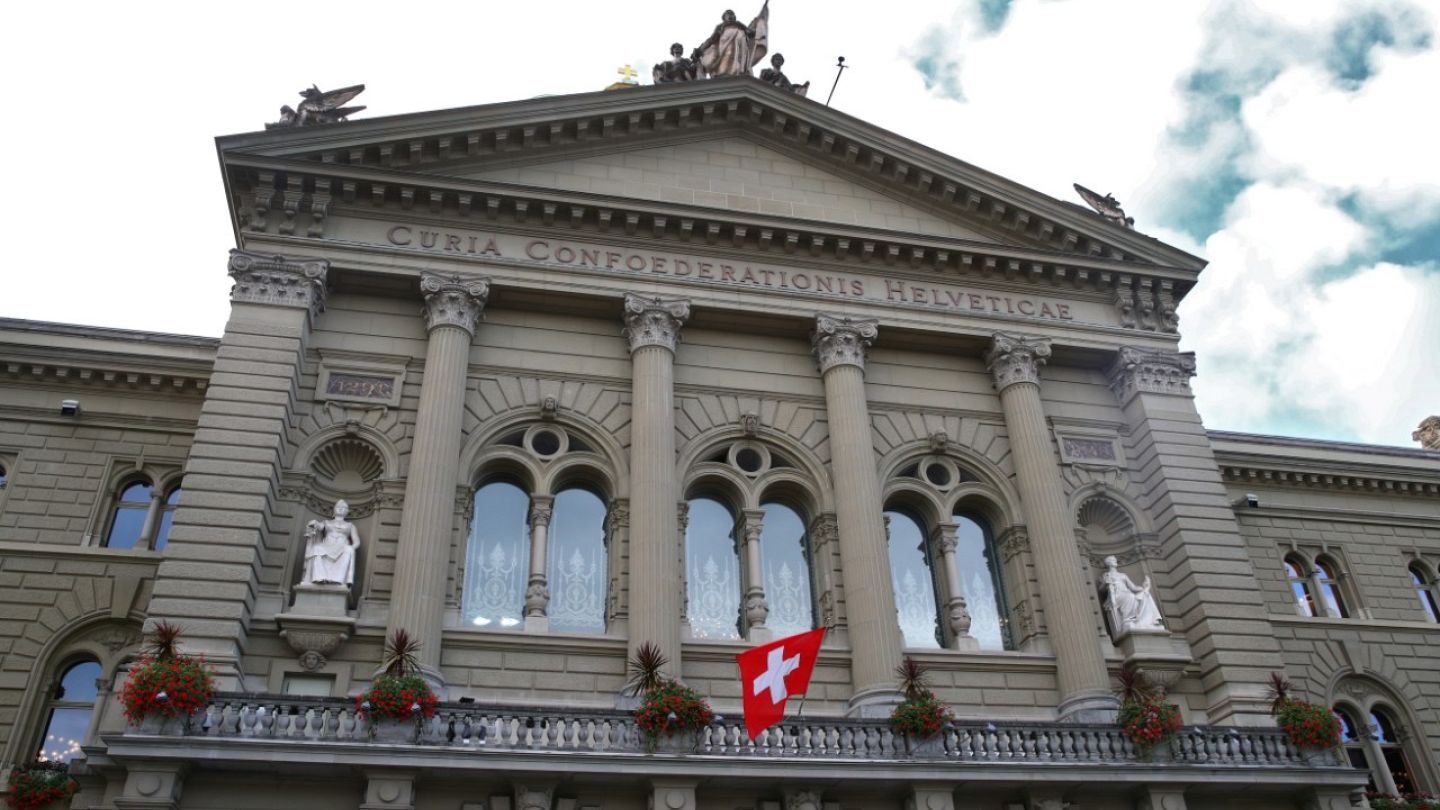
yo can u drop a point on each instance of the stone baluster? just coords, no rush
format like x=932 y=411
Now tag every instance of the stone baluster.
x=537 y=591
x=942 y=543
x=652 y=327
x=453 y=305
x=839 y=345
x=1084 y=683
x=757 y=610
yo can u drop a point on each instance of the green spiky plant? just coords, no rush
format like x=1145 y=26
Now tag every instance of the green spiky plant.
x=1145 y=717
x=398 y=692
x=1307 y=724
x=667 y=706
x=920 y=715
x=645 y=670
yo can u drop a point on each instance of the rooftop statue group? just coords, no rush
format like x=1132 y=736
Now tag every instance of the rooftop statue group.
x=732 y=49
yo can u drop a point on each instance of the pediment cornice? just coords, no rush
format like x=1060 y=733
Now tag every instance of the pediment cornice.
x=423 y=143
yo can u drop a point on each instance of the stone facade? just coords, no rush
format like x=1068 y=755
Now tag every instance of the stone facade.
x=436 y=312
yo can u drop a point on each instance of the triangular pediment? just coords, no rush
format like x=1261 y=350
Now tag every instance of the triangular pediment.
x=728 y=172
x=661 y=144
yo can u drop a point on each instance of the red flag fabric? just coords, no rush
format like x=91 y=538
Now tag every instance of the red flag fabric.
x=774 y=672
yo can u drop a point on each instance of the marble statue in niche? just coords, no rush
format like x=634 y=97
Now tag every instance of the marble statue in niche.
x=330 y=547
x=1131 y=607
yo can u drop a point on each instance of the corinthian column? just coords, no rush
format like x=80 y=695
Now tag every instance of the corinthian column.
x=422 y=560
x=839 y=345
x=652 y=326
x=1084 y=682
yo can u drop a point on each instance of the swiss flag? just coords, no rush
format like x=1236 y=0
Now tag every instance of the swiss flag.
x=771 y=673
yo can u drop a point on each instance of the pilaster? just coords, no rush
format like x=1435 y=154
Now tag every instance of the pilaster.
x=206 y=584
x=652 y=328
x=1224 y=616
x=1015 y=362
x=839 y=345
x=453 y=305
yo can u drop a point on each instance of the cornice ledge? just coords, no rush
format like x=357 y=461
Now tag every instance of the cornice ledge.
x=1353 y=478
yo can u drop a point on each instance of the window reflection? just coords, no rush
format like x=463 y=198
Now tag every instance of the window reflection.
x=1425 y=591
x=1383 y=727
x=167 y=516
x=913 y=581
x=497 y=559
x=577 y=563
x=70 y=708
x=128 y=520
x=1330 y=589
x=786 y=567
x=713 y=571
x=1300 y=586
x=980 y=582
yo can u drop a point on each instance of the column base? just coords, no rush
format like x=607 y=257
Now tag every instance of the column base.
x=876 y=701
x=537 y=624
x=965 y=644
x=1089 y=707
x=761 y=635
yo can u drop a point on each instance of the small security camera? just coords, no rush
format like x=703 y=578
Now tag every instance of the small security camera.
x=1252 y=500
x=69 y=407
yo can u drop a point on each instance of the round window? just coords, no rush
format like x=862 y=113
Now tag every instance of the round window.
x=545 y=442
x=749 y=460
x=938 y=474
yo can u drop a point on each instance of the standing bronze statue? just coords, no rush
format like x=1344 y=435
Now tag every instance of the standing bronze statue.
x=774 y=75
x=675 y=69
x=734 y=49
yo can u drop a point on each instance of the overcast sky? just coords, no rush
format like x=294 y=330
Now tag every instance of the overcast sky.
x=1290 y=142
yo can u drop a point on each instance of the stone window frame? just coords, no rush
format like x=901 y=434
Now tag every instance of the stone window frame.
x=9 y=463
x=744 y=490
x=331 y=365
x=162 y=476
x=1117 y=447
x=1428 y=589
x=1309 y=561
x=1360 y=706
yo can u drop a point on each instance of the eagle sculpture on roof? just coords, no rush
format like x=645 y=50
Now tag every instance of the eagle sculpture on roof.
x=1106 y=206
x=319 y=107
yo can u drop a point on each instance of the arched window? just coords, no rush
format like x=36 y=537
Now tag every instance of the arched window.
x=712 y=570
x=914 y=581
x=167 y=516
x=981 y=583
x=1328 y=583
x=497 y=557
x=1425 y=588
x=129 y=518
x=1353 y=742
x=785 y=563
x=4 y=476
x=577 y=568
x=69 y=710
x=1392 y=752
x=1300 y=585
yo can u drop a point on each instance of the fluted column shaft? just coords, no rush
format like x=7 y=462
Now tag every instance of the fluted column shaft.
x=652 y=327
x=1083 y=680
x=422 y=560
x=875 y=642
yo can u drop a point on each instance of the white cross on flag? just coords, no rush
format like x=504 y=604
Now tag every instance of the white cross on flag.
x=774 y=672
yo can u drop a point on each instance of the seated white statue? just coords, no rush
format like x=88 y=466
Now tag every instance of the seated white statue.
x=1131 y=606
x=330 y=547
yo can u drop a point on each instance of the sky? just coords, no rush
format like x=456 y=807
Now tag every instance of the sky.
x=1292 y=143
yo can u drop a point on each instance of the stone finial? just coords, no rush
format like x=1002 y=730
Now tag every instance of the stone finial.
x=840 y=341
x=1428 y=433
x=453 y=300
x=651 y=320
x=1016 y=359
x=278 y=281
x=1137 y=371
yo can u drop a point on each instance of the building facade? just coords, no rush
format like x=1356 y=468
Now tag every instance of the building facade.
x=699 y=365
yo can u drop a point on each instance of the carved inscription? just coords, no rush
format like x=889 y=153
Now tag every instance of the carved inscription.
x=361 y=386
x=1089 y=449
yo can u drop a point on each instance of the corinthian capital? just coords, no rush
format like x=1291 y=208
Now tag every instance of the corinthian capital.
x=1136 y=371
x=278 y=281
x=453 y=300
x=839 y=341
x=654 y=321
x=1016 y=359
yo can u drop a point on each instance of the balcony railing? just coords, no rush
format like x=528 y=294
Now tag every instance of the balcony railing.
x=479 y=727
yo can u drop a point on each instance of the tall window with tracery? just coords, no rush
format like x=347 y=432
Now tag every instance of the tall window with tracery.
x=1392 y=751
x=497 y=557
x=577 y=567
x=68 y=712
x=981 y=583
x=785 y=563
x=914 y=581
x=712 y=570
x=1426 y=587
x=1300 y=585
x=1327 y=581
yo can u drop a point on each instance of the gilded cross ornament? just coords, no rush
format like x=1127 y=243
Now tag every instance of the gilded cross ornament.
x=278 y=281
x=1138 y=371
x=453 y=300
x=627 y=74
x=840 y=341
x=651 y=320
x=1016 y=359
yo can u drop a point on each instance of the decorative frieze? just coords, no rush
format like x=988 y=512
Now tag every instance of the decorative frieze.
x=839 y=341
x=278 y=281
x=651 y=320
x=1016 y=359
x=1137 y=371
x=453 y=300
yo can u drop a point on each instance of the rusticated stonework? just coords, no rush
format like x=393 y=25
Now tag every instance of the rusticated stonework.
x=278 y=281
x=839 y=341
x=1137 y=371
x=651 y=320
x=1016 y=359
x=453 y=300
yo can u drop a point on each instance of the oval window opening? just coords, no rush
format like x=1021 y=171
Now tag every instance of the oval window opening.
x=545 y=443
x=748 y=460
x=938 y=475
